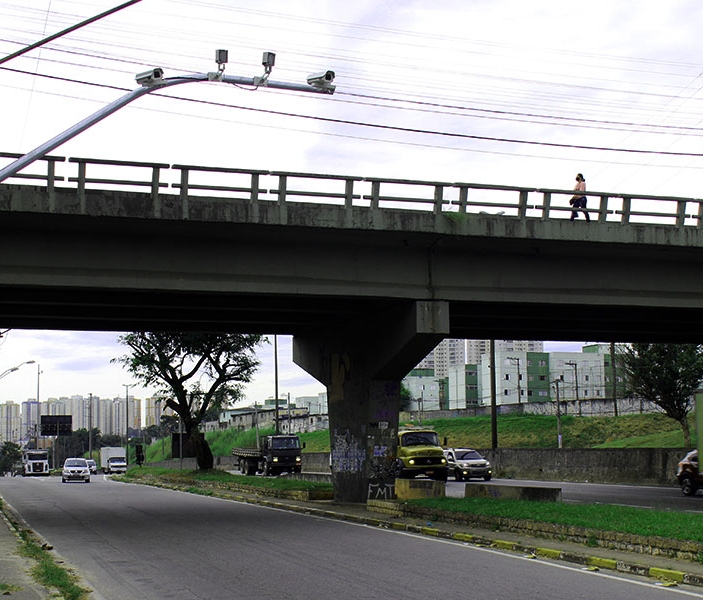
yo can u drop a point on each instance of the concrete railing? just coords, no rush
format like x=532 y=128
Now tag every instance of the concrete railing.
x=452 y=199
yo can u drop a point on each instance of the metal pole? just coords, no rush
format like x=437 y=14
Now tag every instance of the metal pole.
x=275 y=385
x=126 y=412
x=556 y=385
x=41 y=151
x=494 y=402
x=516 y=360
x=90 y=426
x=613 y=378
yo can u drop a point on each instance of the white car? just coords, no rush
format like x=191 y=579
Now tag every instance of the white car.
x=75 y=469
x=92 y=465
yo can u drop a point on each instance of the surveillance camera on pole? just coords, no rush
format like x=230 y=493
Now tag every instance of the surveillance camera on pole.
x=322 y=80
x=150 y=77
x=153 y=79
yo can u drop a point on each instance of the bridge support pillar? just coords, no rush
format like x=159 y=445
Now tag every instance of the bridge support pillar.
x=361 y=364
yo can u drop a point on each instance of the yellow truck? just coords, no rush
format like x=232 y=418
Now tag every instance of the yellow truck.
x=420 y=453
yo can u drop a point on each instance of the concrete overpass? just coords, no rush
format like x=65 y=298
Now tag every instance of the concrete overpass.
x=367 y=274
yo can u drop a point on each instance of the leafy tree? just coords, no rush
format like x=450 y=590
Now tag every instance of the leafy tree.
x=10 y=456
x=665 y=374
x=179 y=362
x=406 y=398
x=110 y=440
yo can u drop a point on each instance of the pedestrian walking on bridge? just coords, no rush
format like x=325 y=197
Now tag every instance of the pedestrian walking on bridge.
x=578 y=200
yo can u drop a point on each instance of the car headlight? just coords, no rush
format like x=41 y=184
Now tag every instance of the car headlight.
x=411 y=461
x=444 y=461
x=275 y=459
x=298 y=459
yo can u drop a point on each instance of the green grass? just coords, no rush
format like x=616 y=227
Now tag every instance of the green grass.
x=514 y=431
x=603 y=517
x=48 y=572
x=187 y=478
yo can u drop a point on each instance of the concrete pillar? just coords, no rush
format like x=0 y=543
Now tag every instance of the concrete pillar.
x=362 y=364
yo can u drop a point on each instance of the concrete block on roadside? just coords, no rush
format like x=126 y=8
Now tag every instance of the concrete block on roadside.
x=513 y=492
x=409 y=489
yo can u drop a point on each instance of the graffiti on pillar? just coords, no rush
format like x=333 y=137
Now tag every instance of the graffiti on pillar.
x=382 y=465
x=347 y=454
x=381 y=490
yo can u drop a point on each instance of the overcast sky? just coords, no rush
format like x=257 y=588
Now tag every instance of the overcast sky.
x=483 y=91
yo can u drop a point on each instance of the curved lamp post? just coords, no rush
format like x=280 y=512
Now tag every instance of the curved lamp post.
x=13 y=369
x=152 y=80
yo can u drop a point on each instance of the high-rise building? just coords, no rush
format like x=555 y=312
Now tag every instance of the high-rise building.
x=447 y=353
x=475 y=348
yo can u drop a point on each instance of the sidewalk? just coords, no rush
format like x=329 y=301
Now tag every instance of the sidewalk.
x=14 y=569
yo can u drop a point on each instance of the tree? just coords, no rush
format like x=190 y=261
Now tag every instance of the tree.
x=406 y=397
x=195 y=371
x=665 y=374
x=10 y=457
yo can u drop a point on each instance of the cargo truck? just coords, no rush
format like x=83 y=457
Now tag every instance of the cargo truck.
x=420 y=453
x=113 y=460
x=276 y=454
x=35 y=462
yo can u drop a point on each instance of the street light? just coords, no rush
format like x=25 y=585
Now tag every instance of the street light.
x=153 y=79
x=13 y=369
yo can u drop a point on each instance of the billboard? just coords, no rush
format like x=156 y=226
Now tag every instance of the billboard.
x=56 y=425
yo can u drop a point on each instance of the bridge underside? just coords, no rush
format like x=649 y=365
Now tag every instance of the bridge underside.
x=91 y=309
x=366 y=297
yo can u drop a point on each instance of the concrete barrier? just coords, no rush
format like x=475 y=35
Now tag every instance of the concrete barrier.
x=513 y=492
x=409 y=489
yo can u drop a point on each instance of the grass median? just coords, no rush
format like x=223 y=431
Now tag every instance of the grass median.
x=683 y=526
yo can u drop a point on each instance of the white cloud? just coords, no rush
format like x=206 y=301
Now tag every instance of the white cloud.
x=478 y=68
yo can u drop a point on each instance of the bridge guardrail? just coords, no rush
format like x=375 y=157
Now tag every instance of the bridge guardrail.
x=373 y=193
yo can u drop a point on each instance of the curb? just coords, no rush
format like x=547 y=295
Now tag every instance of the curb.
x=666 y=576
x=590 y=562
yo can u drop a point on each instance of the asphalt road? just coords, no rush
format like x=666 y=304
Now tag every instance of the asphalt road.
x=656 y=497
x=136 y=542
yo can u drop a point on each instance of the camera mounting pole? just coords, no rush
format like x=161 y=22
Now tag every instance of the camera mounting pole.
x=151 y=81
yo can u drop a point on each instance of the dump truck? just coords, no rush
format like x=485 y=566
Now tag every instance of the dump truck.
x=276 y=454
x=113 y=460
x=420 y=453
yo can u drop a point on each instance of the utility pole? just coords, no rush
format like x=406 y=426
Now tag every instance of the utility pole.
x=516 y=360
x=126 y=412
x=494 y=402
x=556 y=383
x=576 y=380
x=90 y=426
x=613 y=378
x=275 y=378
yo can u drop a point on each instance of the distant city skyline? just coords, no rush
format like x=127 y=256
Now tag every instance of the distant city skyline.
x=68 y=363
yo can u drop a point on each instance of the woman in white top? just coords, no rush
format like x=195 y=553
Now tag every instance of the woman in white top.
x=578 y=200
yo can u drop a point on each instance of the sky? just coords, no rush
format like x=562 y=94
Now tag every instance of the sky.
x=482 y=91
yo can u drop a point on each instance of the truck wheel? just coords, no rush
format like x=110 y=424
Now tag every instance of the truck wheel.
x=687 y=487
x=242 y=470
x=251 y=468
x=487 y=477
x=458 y=476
